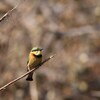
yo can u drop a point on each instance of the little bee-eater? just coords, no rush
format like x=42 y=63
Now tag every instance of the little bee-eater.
x=35 y=58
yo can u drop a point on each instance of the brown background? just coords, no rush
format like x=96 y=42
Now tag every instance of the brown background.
x=69 y=29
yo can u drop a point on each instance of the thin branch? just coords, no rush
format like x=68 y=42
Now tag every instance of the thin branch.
x=7 y=14
x=13 y=81
x=11 y=11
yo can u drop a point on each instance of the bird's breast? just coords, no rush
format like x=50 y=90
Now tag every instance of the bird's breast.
x=34 y=61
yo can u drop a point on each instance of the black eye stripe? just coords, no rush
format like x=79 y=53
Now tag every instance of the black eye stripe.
x=34 y=50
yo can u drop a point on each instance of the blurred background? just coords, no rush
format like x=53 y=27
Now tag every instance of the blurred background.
x=69 y=29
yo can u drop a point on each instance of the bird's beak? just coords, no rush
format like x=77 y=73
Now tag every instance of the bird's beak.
x=41 y=49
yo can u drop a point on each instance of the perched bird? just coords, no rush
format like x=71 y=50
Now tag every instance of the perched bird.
x=35 y=58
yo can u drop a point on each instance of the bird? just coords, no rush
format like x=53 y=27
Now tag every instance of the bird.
x=34 y=59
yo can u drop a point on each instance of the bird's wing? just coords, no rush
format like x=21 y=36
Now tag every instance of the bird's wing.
x=27 y=61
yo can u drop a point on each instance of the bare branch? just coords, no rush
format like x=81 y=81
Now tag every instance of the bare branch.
x=8 y=14
x=13 y=81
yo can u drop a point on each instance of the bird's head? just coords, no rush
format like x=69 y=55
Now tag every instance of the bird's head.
x=36 y=51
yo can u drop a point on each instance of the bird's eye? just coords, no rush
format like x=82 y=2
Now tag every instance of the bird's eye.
x=32 y=50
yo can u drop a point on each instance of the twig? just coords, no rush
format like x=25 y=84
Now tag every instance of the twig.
x=13 y=81
x=10 y=11
x=7 y=14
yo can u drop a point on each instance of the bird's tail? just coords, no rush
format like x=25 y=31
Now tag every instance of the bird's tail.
x=29 y=77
